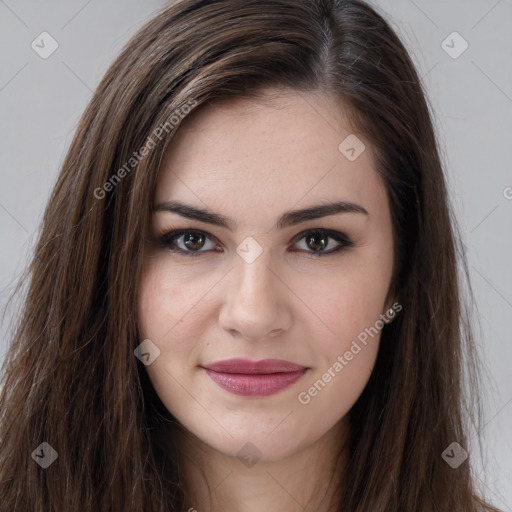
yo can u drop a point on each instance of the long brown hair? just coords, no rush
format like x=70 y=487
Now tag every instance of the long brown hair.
x=70 y=377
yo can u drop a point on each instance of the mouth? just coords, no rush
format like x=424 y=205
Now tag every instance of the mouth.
x=254 y=378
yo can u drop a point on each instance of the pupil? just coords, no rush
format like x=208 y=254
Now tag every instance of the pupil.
x=190 y=238
x=315 y=237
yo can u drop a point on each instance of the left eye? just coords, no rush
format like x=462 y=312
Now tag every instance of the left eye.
x=189 y=242
x=318 y=241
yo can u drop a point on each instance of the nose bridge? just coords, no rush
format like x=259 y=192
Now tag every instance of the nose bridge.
x=254 y=280
x=255 y=303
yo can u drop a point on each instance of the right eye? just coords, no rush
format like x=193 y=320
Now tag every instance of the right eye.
x=187 y=242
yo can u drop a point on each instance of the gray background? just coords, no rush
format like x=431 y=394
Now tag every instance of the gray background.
x=41 y=101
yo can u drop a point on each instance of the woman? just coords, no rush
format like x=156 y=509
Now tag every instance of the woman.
x=245 y=293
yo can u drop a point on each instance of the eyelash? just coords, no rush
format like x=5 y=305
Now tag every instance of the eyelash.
x=168 y=240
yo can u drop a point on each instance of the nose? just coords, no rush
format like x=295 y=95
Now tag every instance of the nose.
x=257 y=302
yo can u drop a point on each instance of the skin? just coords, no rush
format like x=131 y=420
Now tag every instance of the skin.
x=252 y=160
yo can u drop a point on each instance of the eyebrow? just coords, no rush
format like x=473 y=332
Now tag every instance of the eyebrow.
x=290 y=218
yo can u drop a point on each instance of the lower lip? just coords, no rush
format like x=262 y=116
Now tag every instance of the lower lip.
x=255 y=384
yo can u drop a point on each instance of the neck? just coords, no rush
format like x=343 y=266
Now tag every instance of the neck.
x=307 y=480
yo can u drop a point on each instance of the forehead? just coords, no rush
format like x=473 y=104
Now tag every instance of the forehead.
x=282 y=149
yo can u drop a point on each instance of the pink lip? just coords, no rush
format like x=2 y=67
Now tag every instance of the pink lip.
x=254 y=378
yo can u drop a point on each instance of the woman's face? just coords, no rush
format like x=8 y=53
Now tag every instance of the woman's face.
x=253 y=281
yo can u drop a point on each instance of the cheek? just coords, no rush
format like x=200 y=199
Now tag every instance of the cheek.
x=162 y=310
x=332 y=392
x=347 y=305
x=157 y=304
x=350 y=306
x=173 y=312
x=167 y=299
x=347 y=356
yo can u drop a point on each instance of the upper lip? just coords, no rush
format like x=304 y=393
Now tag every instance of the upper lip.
x=255 y=367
